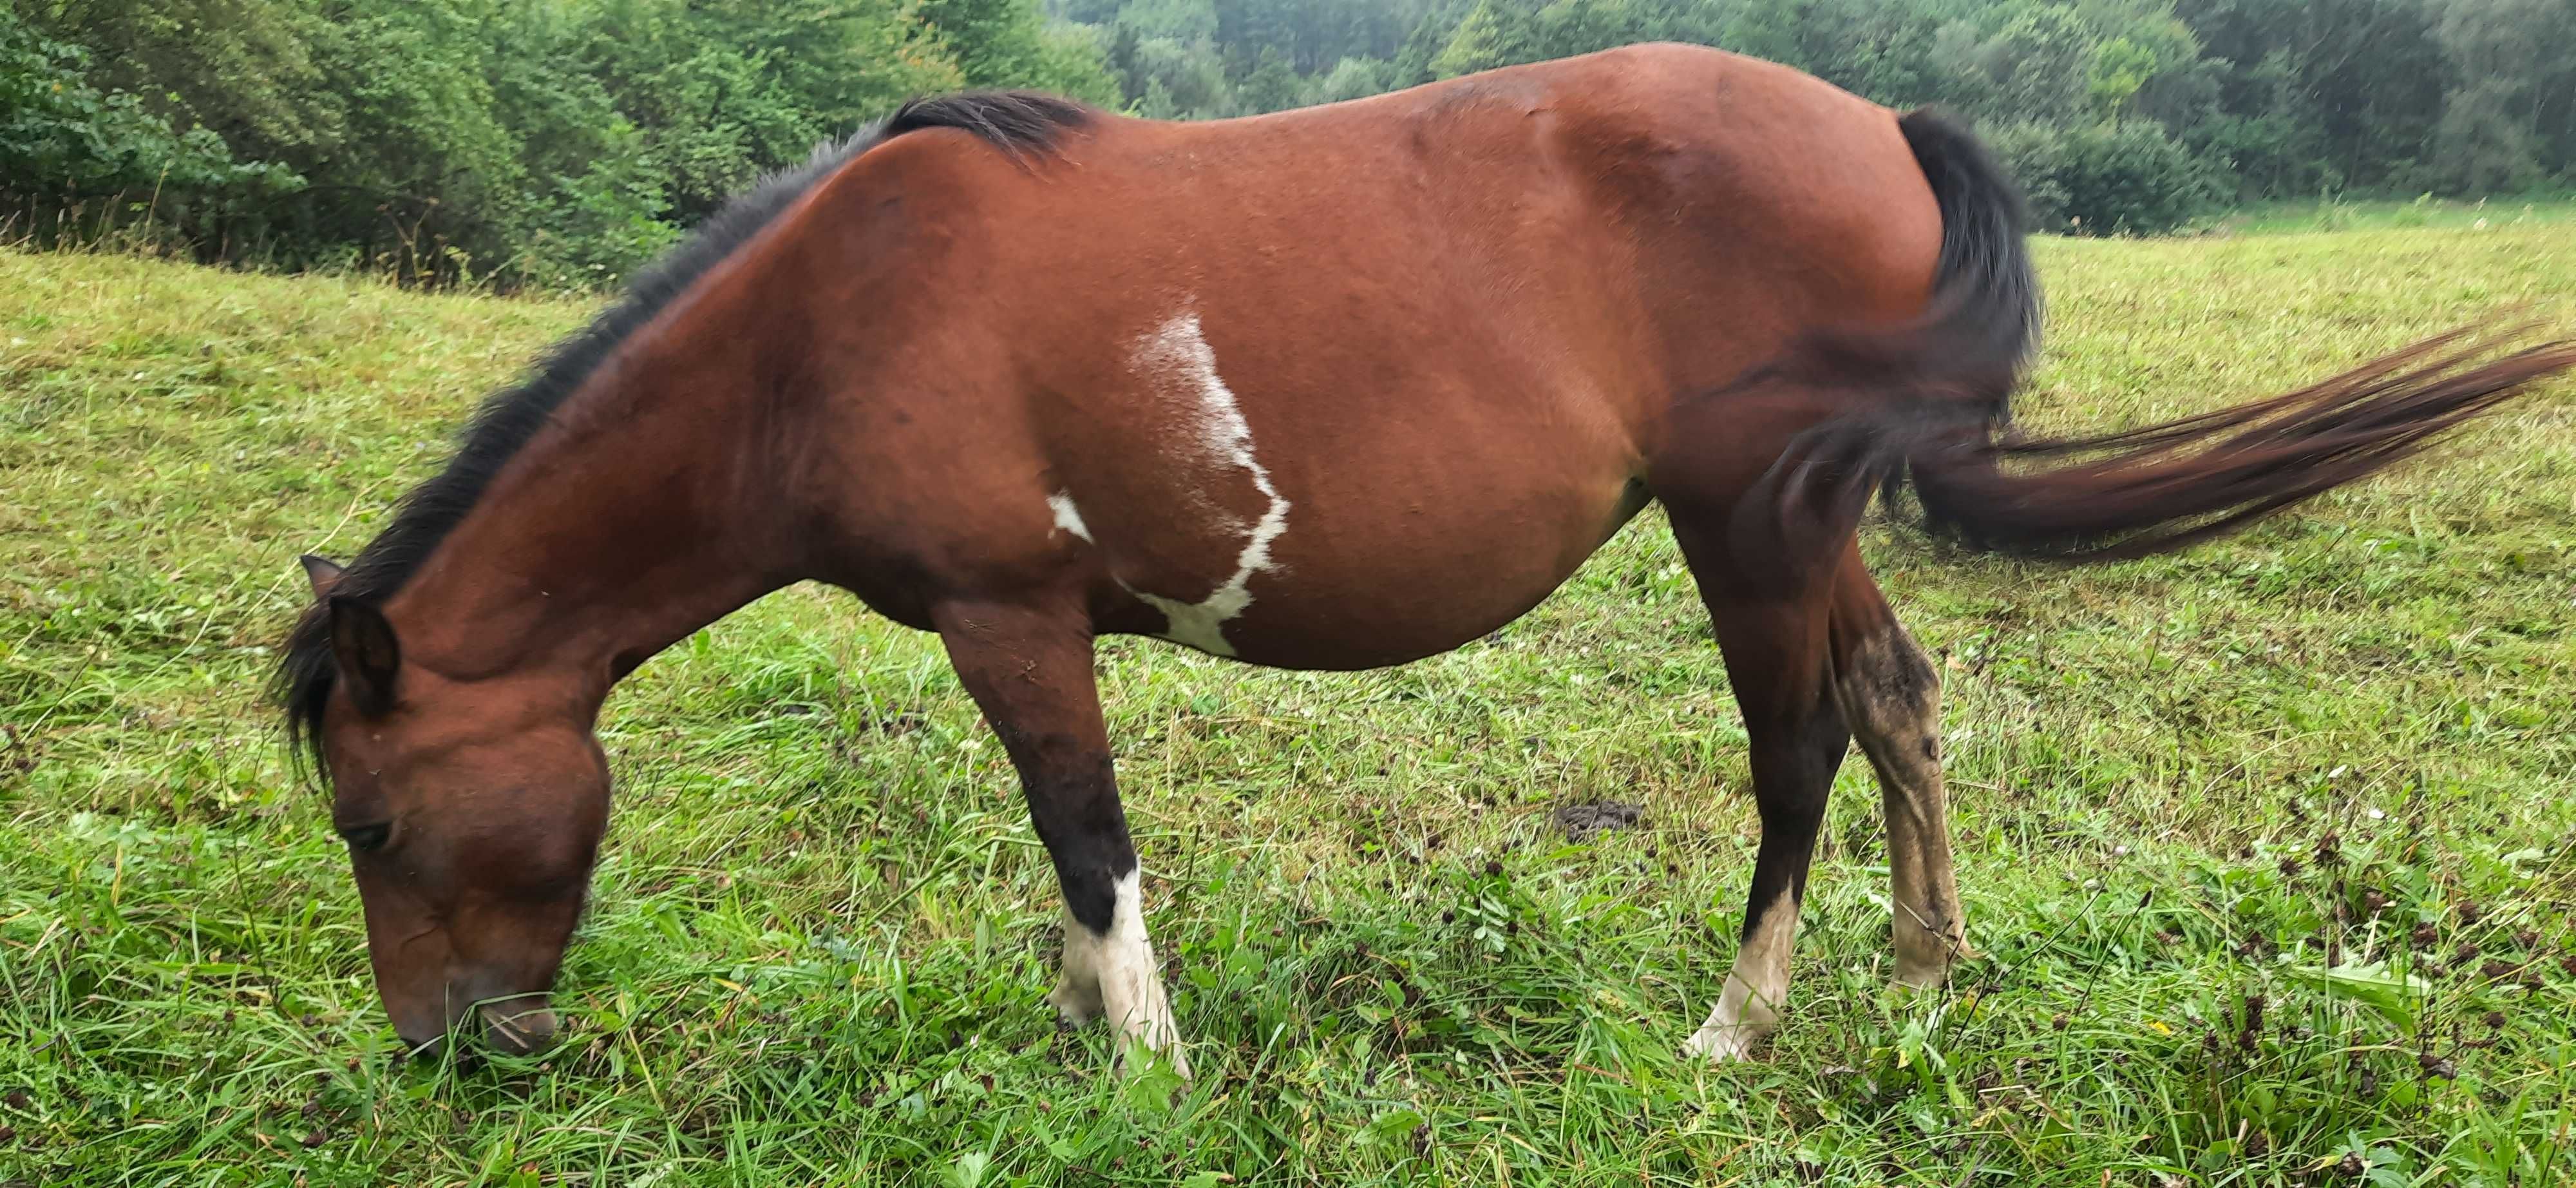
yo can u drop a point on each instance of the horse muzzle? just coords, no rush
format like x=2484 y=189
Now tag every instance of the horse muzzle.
x=519 y=1025
x=515 y=1024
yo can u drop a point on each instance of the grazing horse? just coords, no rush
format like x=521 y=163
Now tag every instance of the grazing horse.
x=1328 y=389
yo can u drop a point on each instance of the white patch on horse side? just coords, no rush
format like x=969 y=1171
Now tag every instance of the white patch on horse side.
x=1067 y=517
x=1756 y=989
x=1113 y=974
x=1177 y=353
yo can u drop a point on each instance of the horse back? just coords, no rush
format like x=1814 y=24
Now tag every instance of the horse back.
x=1331 y=333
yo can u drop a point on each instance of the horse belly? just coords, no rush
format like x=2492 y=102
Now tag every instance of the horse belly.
x=1337 y=588
x=1270 y=509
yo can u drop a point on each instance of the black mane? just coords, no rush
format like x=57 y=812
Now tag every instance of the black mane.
x=1019 y=123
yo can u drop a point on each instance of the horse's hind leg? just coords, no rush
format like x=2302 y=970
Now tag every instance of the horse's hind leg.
x=1031 y=672
x=1775 y=642
x=1891 y=698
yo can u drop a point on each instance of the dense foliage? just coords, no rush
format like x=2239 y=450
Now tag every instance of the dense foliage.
x=557 y=143
x=561 y=143
x=2119 y=114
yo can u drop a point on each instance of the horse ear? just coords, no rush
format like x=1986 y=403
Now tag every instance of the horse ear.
x=362 y=641
x=323 y=572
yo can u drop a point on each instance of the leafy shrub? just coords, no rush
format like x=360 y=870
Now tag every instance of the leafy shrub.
x=68 y=148
x=504 y=142
x=2123 y=177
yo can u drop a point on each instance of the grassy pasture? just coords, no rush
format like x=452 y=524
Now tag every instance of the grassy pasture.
x=2503 y=212
x=2326 y=765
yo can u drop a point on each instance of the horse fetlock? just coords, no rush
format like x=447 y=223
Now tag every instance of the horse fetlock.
x=1721 y=1045
x=1076 y=997
x=1731 y=1032
x=1923 y=970
x=1134 y=1002
x=1927 y=944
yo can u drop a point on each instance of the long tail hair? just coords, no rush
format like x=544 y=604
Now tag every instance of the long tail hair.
x=1929 y=412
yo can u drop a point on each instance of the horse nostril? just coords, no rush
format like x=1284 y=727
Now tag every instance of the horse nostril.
x=518 y=1032
x=365 y=838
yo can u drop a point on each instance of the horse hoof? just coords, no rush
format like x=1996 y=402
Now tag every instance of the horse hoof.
x=1135 y=1054
x=1720 y=1045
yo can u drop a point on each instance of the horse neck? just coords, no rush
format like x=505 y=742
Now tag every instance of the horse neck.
x=647 y=510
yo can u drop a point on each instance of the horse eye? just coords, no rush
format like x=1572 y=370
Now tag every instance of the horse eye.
x=363 y=838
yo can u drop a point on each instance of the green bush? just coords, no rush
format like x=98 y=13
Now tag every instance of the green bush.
x=503 y=142
x=72 y=153
x=2123 y=177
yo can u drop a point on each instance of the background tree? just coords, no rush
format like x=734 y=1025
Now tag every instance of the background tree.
x=557 y=143
x=564 y=142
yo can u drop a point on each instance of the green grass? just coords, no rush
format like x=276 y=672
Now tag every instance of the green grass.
x=823 y=928
x=2505 y=212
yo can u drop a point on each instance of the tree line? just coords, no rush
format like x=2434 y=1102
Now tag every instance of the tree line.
x=561 y=143
x=556 y=143
x=2117 y=115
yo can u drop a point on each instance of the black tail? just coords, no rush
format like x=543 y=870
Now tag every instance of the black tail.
x=1983 y=324
x=1926 y=400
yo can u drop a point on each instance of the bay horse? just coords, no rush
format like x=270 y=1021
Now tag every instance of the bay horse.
x=1328 y=389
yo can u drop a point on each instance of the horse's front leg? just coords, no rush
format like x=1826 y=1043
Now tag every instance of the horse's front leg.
x=1030 y=669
